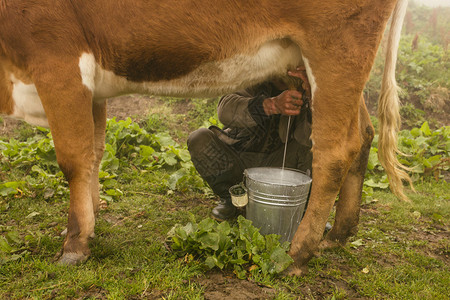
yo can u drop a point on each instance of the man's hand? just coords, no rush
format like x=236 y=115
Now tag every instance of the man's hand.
x=300 y=72
x=287 y=103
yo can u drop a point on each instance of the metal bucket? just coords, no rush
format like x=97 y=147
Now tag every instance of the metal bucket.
x=276 y=199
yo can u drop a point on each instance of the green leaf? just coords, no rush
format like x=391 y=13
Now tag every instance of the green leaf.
x=415 y=132
x=223 y=259
x=256 y=258
x=164 y=139
x=240 y=272
x=437 y=218
x=6 y=190
x=176 y=177
x=184 y=155
x=211 y=261
x=238 y=261
x=109 y=183
x=224 y=228
x=146 y=151
x=189 y=229
x=209 y=240
x=357 y=243
x=114 y=192
x=103 y=174
x=372 y=183
x=281 y=260
x=169 y=158
x=32 y=215
x=246 y=229
x=271 y=242
x=373 y=159
x=258 y=242
x=13 y=237
x=426 y=128
x=4 y=246
x=207 y=225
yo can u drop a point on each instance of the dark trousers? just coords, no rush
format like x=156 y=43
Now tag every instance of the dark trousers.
x=221 y=166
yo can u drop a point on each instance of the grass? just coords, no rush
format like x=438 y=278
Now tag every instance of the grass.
x=400 y=252
x=128 y=254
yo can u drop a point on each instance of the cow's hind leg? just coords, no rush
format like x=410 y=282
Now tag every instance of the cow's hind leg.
x=99 y=114
x=348 y=206
x=68 y=105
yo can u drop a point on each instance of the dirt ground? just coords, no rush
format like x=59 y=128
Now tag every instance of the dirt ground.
x=436 y=108
x=219 y=286
x=134 y=106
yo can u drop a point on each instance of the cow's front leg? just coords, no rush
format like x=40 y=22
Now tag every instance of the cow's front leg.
x=68 y=106
x=336 y=142
x=329 y=167
x=348 y=206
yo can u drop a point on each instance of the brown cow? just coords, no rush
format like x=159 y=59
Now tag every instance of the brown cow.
x=60 y=60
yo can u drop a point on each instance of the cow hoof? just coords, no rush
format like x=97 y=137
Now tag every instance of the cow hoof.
x=328 y=244
x=71 y=259
x=64 y=233
x=295 y=271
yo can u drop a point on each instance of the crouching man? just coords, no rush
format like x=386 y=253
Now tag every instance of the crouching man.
x=255 y=131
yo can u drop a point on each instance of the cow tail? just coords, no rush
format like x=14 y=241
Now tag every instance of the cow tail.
x=389 y=108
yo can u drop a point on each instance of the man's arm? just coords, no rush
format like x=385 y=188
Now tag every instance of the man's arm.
x=252 y=106
x=243 y=109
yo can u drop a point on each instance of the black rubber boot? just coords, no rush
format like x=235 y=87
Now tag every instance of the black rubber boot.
x=224 y=211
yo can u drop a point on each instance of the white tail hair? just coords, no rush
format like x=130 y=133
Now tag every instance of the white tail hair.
x=389 y=108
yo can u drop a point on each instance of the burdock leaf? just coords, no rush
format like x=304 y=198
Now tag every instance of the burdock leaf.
x=281 y=260
x=209 y=240
x=211 y=261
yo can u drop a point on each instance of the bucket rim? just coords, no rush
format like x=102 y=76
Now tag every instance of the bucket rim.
x=307 y=181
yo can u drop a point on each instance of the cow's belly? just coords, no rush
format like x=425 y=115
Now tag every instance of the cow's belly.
x=209 y=79
x=27 y=104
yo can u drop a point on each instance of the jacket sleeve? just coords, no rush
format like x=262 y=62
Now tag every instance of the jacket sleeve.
x=243 y=109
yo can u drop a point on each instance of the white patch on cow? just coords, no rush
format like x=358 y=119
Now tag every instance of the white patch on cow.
x=102 y=83
x=27 y=104
x=209 y=79
x=87 y=70
x=311 y=78
x=313 y=84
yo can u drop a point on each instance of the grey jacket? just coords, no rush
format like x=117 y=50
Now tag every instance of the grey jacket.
x=248 y=128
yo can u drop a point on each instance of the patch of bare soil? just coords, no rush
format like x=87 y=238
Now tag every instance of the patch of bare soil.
x=93 y=292
x=134 y=106
x=436 y=108
x=8 y=126
x=437 y=238
x=137 y=107
x=220 y=286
